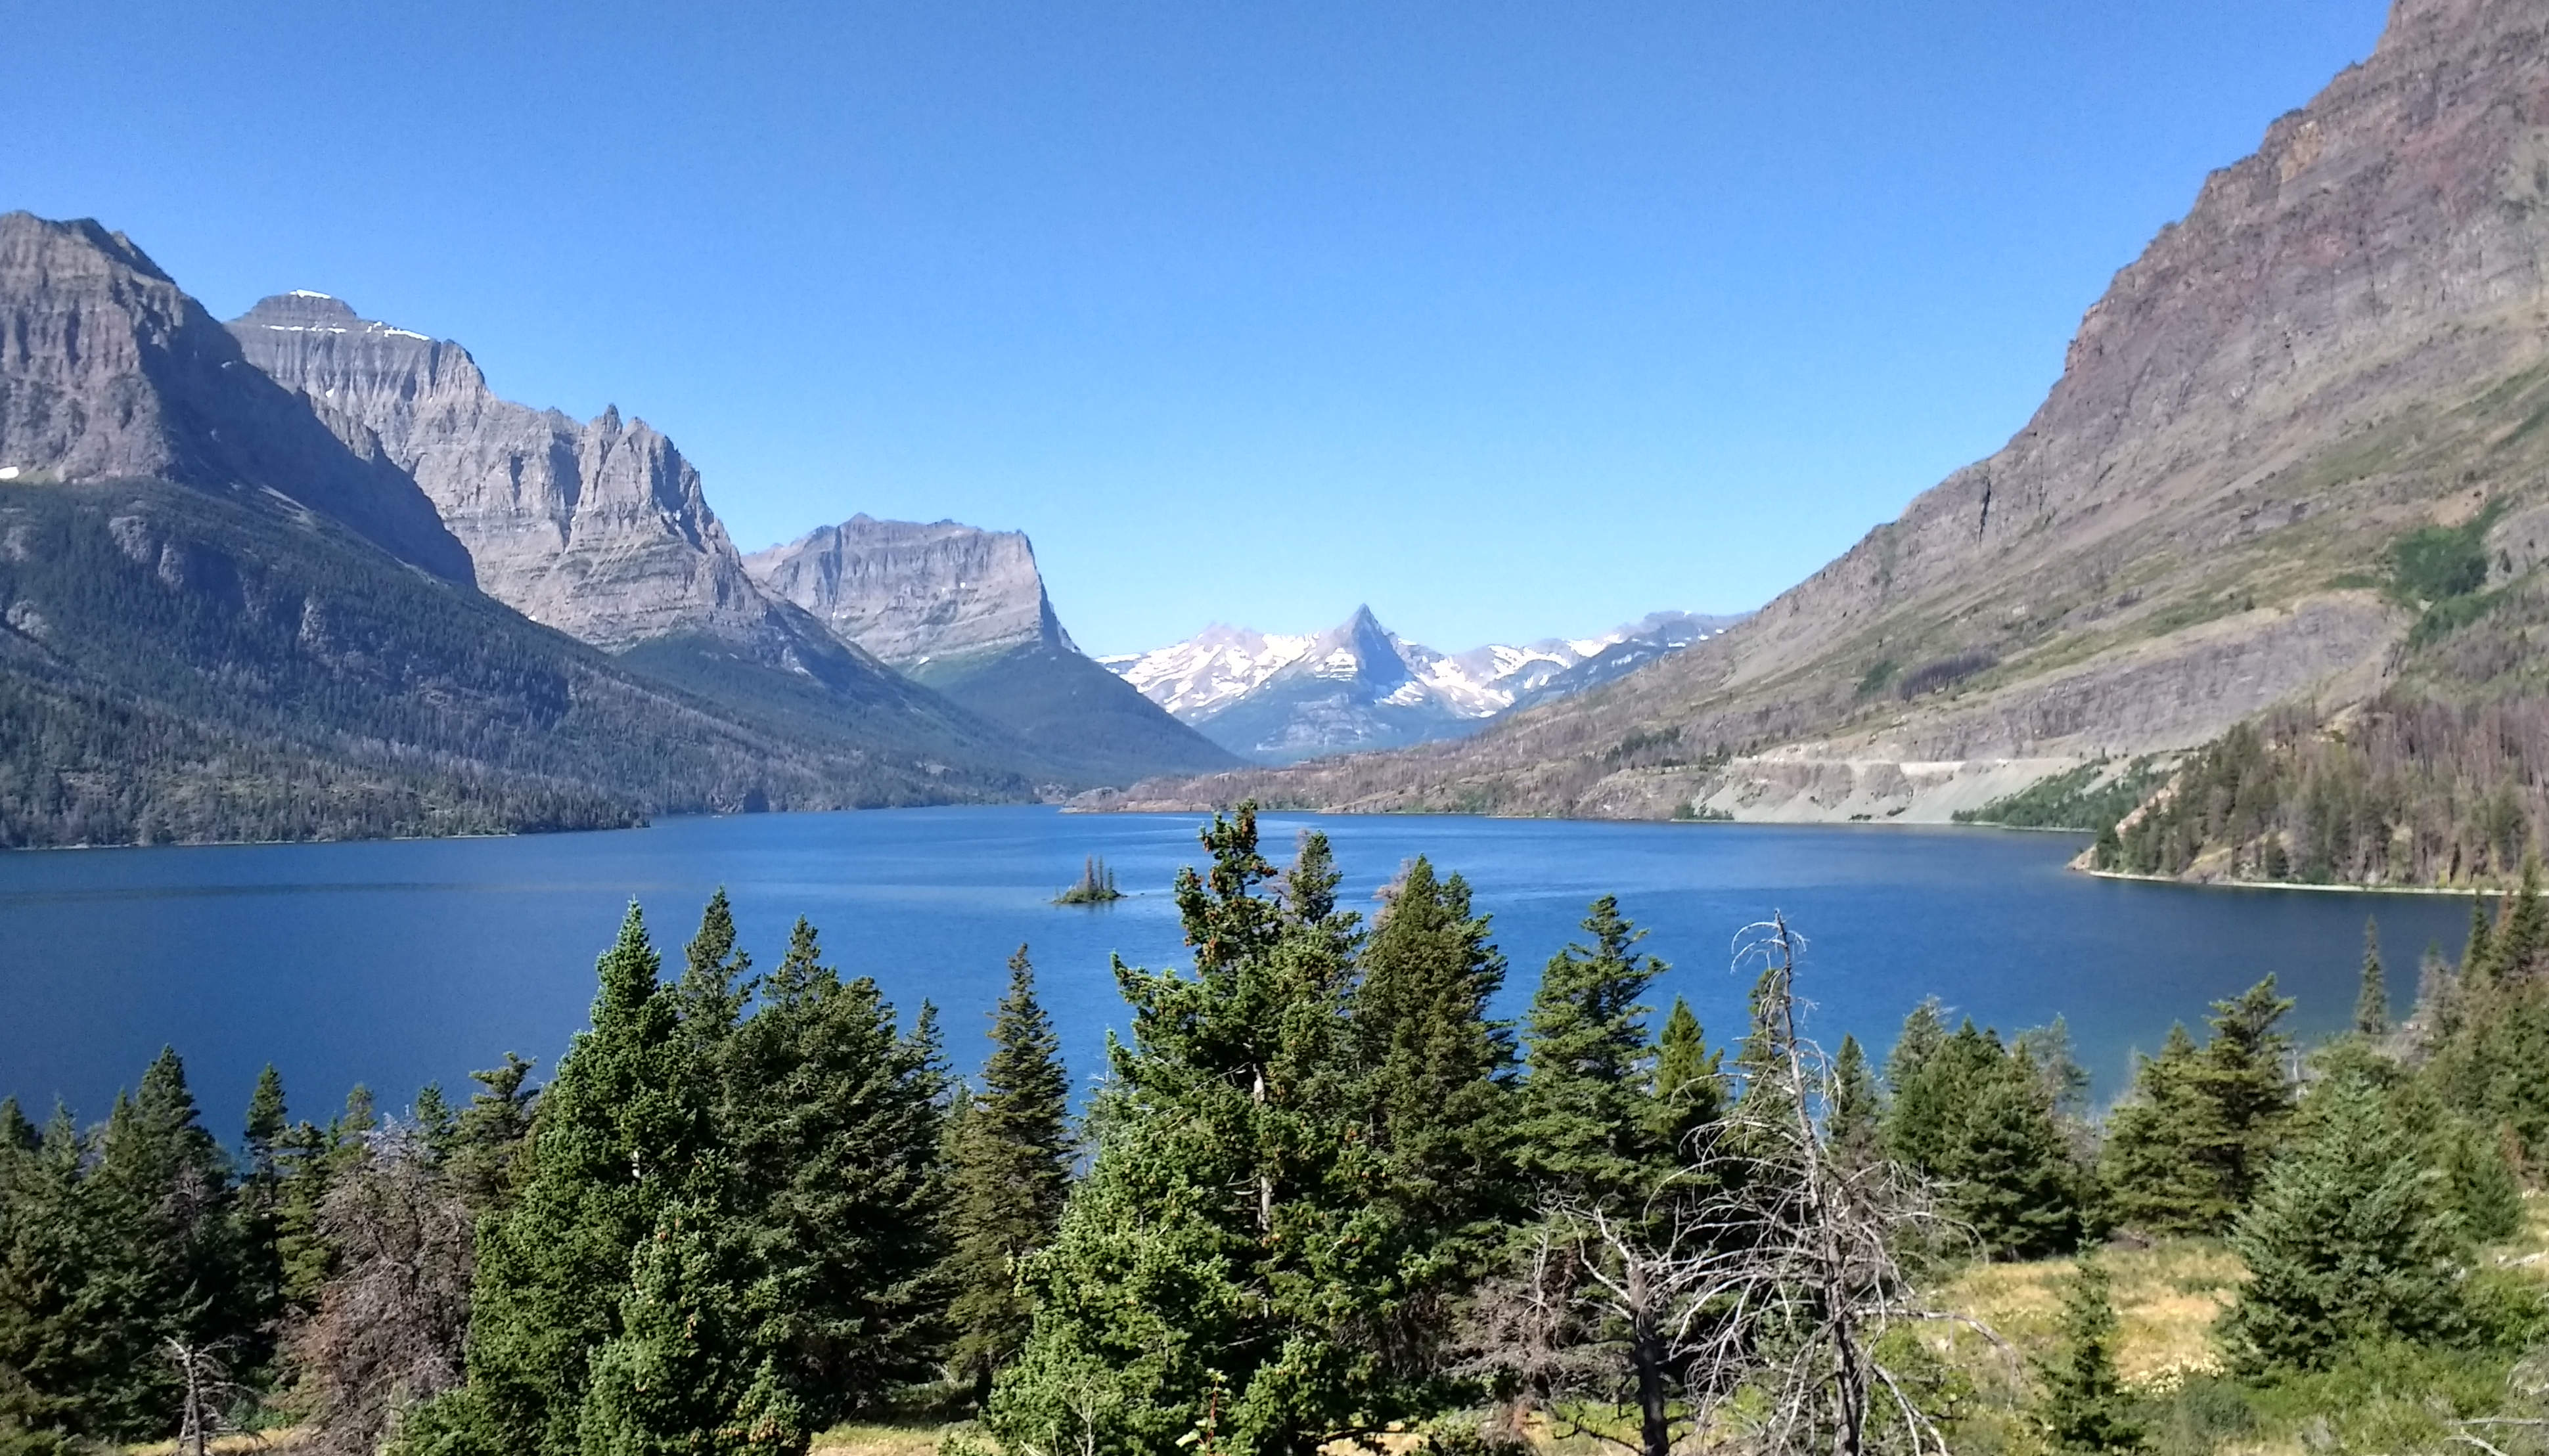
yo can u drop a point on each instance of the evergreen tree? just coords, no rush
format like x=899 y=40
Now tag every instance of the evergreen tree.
x=259 y=1210
x=1935 y=1090
x=1012 y=1154
x=2520 y=944
x=1588 y=1124
x=611 y=1147
x=2476 y=955
x=682 y=1377
x=487 y=1138
x=2349 y=1240
x=837 y=1135
x=2372 y=1002
x=2152 y=1176
x=164 y=1262
x=1857 y=1124
x=1690 y=1084
x=2084 y=1407
x=1235 y=1263
x=2007 y=1167
x=2481 y=1185
x=52 y=1305
x=305 y=1156
x=2243 y=1089
x=1924 y=1031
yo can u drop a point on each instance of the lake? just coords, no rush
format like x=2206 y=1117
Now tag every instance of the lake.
x=395 y=963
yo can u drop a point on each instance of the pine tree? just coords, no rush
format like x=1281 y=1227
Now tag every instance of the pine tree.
x=165 y=1262
x=1691 y=1083
x=1012 y=1153
x=53 y=1301
x=2372 y=1002
x=1935 y=1090
x=2478 y=953
x=2520 y=944
x=1924 y=1031
x=1588 y=1129
x=487 y=1138
x=837 y=1135
x=1857 y=1124
x=2349 y=1240
x=608 y=1154
x=1435 y=1093
x=2244 y=1088
x=259 y=1210
x=2006 y=1166
x=682 y=1377
x=1235 y=1262
x=2152 y=1176
x=2084 y=1407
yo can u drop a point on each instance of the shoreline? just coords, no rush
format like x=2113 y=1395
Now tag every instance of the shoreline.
x=2286 y=884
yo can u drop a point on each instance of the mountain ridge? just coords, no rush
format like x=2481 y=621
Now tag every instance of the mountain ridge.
x=2341 y=343
x=1358 y=685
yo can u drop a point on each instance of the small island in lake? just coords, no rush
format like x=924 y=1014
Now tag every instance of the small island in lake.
x=1096 y=885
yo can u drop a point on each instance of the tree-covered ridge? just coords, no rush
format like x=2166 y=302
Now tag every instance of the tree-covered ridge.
x=177 y=666
x=1321 y=1195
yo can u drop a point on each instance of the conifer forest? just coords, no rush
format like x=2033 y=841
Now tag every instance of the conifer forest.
x=1319 y=1199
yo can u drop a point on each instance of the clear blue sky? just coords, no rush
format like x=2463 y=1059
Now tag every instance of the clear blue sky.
x=1510 y=319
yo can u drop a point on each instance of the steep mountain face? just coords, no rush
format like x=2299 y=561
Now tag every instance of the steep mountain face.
x=599 y=528
x=109 y=371
x=911 y=592
x=2345 y=340
x=1360 y=687
x=218 y=620
x=602 y=529
x=964 y=611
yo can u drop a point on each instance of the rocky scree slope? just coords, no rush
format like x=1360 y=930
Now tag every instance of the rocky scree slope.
x=965 y=611
x=2343 y=342
x=220 y=621
x=1359 y=685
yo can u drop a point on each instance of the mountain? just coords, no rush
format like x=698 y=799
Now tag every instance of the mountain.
x=603 y=529
x=1360 y=687
x=112 y=372
x=220 y=620
x=964 y=611
x=2335 y=364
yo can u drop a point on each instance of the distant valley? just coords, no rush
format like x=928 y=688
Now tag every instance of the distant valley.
x=1279 y=699
x=2260 y=591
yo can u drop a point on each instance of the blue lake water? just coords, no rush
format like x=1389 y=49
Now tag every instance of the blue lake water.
x=396 y=963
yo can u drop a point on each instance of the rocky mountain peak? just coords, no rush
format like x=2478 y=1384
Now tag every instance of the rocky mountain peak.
x=600 y=529
x=910 y=591
x=109 y=370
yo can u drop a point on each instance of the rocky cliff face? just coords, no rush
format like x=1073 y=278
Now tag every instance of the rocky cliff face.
x=597 y=528
x=108 y=370
x=911 y=592
x=964 y=611
x=2341 y=340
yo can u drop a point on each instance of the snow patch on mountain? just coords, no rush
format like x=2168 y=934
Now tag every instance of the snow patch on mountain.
x=1280 y=698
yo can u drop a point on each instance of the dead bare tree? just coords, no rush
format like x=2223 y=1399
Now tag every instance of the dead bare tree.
x=390 y=1325
x=1746 y=1301
x=206 y=1393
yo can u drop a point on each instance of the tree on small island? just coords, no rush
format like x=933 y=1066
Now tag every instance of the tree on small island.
x=1096 y=885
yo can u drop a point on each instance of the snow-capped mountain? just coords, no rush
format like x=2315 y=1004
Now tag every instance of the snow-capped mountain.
x=1279 y=698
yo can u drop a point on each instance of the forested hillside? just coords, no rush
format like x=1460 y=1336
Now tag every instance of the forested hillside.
x=179 y=665
x=1322 y=1196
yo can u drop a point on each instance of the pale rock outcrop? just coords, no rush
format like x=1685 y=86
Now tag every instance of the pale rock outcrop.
x=912 y=592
